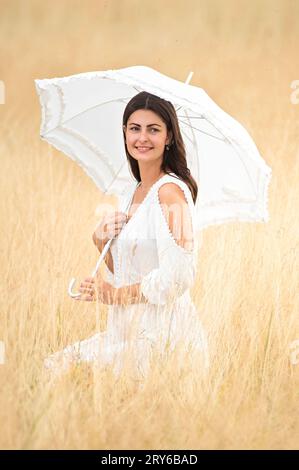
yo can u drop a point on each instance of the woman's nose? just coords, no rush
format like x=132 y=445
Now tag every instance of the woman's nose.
x=143 y=135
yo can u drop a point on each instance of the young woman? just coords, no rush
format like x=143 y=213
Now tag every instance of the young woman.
x=151 y=263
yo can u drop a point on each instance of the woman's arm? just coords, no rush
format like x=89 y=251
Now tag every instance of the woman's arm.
x=175 y=246
x=128 y=295
x=93 y=288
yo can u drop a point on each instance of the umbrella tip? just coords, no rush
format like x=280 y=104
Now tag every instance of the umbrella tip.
x=189 y=78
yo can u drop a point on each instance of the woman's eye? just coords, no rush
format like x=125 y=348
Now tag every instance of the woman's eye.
x=152 y=129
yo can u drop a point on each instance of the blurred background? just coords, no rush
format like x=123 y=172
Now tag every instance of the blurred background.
x=244 y=54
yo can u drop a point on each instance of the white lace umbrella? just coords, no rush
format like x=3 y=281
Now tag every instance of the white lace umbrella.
x=82 y=117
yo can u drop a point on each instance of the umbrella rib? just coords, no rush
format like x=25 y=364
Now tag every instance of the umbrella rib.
x=98 y=152
x=194 y=142
x=186 y=135
x=227 y=139
x=203 y=132
x=192 y=117
x=121 y=100
x=114 y=177
x=92 y=147
x=224 y=139
x=81 y=112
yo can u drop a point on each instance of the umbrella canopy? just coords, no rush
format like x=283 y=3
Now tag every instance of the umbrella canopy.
x=82 y=117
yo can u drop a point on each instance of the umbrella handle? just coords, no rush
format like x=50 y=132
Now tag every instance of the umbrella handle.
x=103 y=254
x=70 y=289
x=73 y=280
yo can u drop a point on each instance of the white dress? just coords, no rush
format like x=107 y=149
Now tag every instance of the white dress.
x=145 y=252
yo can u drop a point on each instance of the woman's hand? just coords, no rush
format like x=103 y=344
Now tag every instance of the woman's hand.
x=88 y=290
x=109 y=227
x=105 y=292
x=96 y=288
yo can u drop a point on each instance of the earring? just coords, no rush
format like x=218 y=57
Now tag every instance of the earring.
x=167 y=147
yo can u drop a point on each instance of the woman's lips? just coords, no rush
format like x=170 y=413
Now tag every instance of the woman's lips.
x=144 y=149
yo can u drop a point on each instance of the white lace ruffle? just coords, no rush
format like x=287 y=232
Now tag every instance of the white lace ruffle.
x=260 y=217
x=164 y=286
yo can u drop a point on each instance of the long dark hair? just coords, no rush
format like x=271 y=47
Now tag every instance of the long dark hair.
x=174 y=159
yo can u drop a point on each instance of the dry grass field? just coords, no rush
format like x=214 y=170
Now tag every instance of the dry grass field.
x=244 y=54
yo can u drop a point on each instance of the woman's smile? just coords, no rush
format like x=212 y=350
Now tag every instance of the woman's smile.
x=144 y=149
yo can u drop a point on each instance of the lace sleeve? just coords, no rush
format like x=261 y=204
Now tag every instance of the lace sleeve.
x=177 y=265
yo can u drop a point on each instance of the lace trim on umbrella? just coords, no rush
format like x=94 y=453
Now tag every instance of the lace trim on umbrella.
x=91 y=146
x=261 y=201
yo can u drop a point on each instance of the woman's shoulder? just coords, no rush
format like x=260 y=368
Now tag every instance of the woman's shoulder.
x=166 y=200
x=172 y=178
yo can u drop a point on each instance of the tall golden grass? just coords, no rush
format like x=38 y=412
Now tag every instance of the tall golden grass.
x=245 y=55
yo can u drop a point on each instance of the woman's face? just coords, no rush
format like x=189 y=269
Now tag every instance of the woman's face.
x=146 y=135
